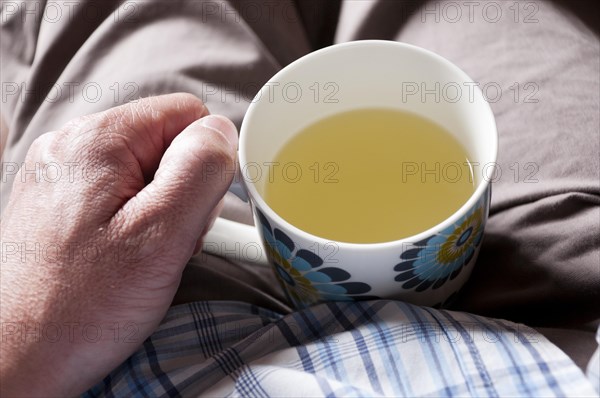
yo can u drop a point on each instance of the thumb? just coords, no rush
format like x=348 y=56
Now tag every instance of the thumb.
x=194 y=173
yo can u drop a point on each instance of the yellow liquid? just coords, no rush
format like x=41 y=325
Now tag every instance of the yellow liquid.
x=368 y=176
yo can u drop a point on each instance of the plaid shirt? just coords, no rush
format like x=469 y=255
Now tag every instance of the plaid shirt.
x=377 y=348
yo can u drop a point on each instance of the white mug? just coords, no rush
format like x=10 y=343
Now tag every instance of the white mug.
x=427 y=268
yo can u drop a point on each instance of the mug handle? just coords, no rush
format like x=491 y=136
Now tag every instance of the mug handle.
x=235 y=241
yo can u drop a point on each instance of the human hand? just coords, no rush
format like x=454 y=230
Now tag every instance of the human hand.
x=97 y=254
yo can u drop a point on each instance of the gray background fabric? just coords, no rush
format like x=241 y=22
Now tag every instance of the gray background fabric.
x=540 y=260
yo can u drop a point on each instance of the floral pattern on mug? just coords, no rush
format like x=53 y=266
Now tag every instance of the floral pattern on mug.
x=302 y=273
x=433 y=261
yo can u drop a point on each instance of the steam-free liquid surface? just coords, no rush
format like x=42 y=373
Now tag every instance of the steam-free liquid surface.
x=369 y=175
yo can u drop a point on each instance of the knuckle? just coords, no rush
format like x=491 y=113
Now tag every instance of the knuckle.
x=47 y=146
x=87 y=133
x=82 y=124
x=93 y=136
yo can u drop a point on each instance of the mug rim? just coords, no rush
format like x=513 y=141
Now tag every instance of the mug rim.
x=453 y=218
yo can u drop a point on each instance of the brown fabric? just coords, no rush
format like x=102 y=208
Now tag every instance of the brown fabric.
x=208 y=277
x=540 y=261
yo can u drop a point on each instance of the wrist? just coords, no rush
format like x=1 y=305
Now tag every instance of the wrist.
x=29 y=367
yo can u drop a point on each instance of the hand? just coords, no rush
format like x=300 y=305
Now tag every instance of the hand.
x=92 y=259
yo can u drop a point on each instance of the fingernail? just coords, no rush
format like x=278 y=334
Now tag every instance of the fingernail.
x=223 y=126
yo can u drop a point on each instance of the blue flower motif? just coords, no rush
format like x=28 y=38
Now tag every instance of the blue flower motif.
x=433 y=261
x=302 y=273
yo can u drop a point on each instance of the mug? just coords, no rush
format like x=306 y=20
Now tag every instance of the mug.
x=426 y=269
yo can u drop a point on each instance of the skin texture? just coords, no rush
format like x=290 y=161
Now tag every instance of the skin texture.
x=91 y=260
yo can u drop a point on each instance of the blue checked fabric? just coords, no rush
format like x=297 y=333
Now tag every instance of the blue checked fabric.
x=377 y=348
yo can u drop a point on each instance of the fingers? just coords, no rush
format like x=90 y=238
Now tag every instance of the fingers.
x=147 y=126
x=192 y=177
x=187 y=163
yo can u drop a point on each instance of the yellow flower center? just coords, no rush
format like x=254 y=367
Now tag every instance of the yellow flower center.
x=450 y=250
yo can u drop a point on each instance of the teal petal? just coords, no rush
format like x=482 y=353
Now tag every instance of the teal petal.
x=335 y=274
x=283 y=250
x=330 y=289
x=310 y=257
x=439 y=239
x=301 y=264
x=317 y=277
x=280 y=236
x=268 y=236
